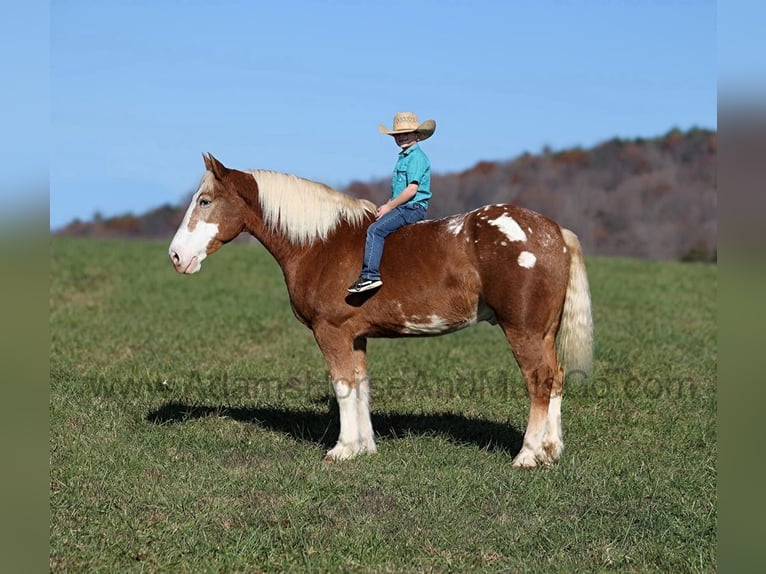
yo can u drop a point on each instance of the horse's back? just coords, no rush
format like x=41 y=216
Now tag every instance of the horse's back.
x=494 y=240
x=444 y=274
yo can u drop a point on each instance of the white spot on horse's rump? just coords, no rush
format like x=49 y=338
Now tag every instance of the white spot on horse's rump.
x=527 y=259
x=509 y=227
x=455 y=224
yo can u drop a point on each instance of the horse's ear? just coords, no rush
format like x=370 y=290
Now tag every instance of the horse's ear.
x=214 y=166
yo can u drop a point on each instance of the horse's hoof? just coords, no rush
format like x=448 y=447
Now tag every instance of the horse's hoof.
x=525 y=459
x=553 y=451
x=340 y=452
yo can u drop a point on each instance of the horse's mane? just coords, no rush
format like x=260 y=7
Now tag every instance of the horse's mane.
x=304 y=210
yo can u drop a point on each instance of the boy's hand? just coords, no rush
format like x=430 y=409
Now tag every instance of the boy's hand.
x=382 y=210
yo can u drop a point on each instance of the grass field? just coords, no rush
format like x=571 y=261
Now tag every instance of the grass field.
x=189 y=416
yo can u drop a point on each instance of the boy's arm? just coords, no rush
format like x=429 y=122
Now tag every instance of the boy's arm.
x=406 y=195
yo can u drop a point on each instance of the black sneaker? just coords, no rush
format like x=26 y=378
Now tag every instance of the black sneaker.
x=363 y=284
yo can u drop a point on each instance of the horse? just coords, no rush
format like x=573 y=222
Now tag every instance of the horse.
x=503 y=264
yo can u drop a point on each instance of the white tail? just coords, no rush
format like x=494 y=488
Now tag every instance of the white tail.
x=575 y=337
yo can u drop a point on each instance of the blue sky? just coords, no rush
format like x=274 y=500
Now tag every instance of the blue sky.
x=139 y=89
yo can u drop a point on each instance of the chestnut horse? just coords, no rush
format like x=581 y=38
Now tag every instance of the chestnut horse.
x=500 y=263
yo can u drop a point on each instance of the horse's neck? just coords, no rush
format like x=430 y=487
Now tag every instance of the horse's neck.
x=331 y=217
x=281 y=248
x=275 y=242
x=300 y=262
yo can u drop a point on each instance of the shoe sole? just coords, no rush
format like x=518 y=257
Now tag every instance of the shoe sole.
x=369 y=287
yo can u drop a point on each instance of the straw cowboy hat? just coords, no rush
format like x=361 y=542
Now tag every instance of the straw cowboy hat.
x=405 y=122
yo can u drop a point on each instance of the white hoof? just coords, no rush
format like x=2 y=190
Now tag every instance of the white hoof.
x=525 y=459
x=341 y=452
x=553 y=450
x=368 y=446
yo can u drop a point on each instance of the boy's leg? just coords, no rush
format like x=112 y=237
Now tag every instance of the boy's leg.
x=376 y=237
x=412 y=212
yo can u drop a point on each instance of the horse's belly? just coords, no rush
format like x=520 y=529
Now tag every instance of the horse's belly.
x=439 y=322
x=432 y=325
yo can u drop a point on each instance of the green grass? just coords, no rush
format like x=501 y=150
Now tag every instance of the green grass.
x=189 y=416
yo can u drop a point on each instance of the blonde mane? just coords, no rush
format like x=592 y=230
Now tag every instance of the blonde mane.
x=305 y=210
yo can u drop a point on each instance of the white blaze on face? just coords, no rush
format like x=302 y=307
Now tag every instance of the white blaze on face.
x=189 y=246
x=527 y=259
x=509 y=227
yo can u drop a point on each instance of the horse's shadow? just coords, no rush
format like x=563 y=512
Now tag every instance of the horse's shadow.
x=322 y=428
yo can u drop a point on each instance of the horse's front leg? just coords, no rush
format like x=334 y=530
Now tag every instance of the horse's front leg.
x=366 y=435
x=338 y=350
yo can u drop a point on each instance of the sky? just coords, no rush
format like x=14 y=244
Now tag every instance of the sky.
x=139 y=89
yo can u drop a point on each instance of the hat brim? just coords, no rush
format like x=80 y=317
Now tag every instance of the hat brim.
x=426 y=130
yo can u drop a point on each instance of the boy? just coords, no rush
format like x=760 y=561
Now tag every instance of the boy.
x=410 y=192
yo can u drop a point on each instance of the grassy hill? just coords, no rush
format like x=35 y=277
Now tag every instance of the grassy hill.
x=189 y=415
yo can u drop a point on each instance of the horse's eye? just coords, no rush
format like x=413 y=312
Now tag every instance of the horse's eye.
x=204 y=202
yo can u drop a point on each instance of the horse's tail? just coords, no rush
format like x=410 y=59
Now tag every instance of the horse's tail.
x=575 y=336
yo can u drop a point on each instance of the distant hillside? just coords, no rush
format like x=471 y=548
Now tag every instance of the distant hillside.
x=650 y=198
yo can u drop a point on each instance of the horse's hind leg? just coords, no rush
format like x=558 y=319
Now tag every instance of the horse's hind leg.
x=536 y=356
x=553 y=441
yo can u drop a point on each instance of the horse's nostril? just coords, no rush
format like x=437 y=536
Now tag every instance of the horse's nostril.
x=175 y=258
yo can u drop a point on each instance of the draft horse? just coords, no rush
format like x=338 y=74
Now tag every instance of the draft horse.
x=500 y=263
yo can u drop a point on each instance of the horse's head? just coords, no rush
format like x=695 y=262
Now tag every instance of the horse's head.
x=214 y=217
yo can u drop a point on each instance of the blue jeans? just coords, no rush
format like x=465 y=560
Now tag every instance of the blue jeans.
x=380 y=229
